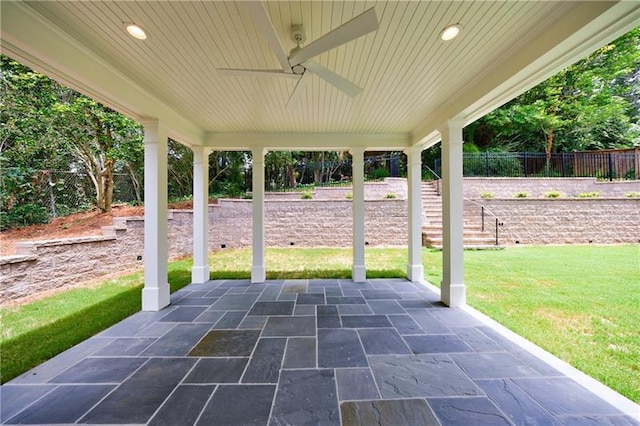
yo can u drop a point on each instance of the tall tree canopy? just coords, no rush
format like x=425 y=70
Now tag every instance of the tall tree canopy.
x=593 y=104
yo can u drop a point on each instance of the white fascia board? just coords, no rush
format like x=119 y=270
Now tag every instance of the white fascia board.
x=587 y=27
x=33 y=40
x=306 y=141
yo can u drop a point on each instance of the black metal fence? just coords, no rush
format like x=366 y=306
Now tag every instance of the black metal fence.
x=611 y=165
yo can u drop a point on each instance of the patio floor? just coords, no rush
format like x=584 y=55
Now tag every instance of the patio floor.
x=301 y=352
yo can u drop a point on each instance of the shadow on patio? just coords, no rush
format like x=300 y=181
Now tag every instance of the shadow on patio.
x=302 y=352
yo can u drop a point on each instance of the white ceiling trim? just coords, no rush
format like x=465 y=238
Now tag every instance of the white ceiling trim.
x=586 y=28
x=45 y=48
x=306 y=141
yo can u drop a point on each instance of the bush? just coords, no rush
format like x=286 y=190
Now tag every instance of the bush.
x=379 y=174
x=491 y=165
x=390 y=195
x=306 y=196
x=23 y=215
x=553 y=194
x=632 y=194
x=521 y=194
x=487 y=195
x=588 y=195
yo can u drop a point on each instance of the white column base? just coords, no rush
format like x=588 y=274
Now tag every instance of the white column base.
x=155 y=298
x=359 y=273
x=453 y=295
x=200 y=274
x=415 y=273
x=258 y=274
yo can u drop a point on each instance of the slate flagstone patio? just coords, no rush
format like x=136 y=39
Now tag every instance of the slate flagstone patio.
x=302 y=352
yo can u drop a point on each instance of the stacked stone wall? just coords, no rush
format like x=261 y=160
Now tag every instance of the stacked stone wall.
x=536 y=187
x=567 y=221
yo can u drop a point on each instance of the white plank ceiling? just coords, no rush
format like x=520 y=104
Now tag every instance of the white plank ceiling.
x=406 y=71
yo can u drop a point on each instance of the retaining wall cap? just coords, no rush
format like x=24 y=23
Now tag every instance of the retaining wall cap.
x=7 y=260
x=64 y=241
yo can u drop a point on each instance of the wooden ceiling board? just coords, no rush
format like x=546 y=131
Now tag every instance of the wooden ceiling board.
x=406 y=71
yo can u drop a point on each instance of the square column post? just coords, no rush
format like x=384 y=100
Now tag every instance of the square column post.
x=415 y=269
x=200 y=270
x=453 y=290
x=359 y=273
x=155 y=294
x=258 y=271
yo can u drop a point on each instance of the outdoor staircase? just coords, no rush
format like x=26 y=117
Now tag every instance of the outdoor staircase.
x=474 y=236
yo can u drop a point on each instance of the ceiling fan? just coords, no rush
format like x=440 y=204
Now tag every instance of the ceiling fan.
x=297 y=65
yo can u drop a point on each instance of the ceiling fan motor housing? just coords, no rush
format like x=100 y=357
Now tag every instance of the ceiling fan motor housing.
x=297 y=34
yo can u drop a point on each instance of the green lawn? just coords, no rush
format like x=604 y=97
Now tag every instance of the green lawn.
x=578 y=302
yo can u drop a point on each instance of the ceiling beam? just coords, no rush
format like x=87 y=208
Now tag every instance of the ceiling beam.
x=34 y=41
x=306 y=141
x=587 y=27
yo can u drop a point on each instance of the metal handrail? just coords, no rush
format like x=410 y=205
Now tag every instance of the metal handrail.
x=485 y=211
x=438 y=178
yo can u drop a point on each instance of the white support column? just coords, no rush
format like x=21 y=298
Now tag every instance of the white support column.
x=200 y=270
x=258 y=271
x=359 y=273
x=155 y=294
x=415 y=269
x=453 y=291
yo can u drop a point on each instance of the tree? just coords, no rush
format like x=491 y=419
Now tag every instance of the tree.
x=592 y=104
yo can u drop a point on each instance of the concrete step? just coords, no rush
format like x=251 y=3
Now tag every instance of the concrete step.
x=467 y=242
x=473 y=247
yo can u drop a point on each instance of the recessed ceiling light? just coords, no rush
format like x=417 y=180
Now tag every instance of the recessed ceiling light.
x=136 y=31
x=450 y=32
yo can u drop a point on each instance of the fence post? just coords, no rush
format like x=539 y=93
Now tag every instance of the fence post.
x=610 y=159
x=563 y=169
x=526 y=165
x=486 y=163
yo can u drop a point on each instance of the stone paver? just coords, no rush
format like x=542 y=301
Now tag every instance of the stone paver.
x=301 y=352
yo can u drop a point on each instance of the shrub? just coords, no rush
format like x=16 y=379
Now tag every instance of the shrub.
x=487 y=195
x=349 y=196
x=23 y=215
x=553 y=194
x=521 y=194
x=632 y=194
x=588 y=195
x=306 y=196
x=390 y=195
x=378 y=174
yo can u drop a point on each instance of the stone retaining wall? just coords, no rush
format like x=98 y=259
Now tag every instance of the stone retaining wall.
x=567 y=221
x=536 y=187
x=326 y=221
x=48 y=265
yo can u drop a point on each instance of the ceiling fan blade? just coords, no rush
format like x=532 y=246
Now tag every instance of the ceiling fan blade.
x=331 y=77
x=358 y=26
x=297 y=91
x=261 y=18
x=256 y=73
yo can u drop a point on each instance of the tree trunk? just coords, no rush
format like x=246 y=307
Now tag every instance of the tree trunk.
x=549 y=147
x=135 y=183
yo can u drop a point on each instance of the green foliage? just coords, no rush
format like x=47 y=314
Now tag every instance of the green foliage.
x=592 y=104
x=483 y=164
x=521 y=194
x=306 y=196
x=379 y=174
x=349 y=196
x=632 y=194
x=23 y=215
x=594 y=194
x=390 y=195
x=487 y=195
x=470 y=147
x=553 y=194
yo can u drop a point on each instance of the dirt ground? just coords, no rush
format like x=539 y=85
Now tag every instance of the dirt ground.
x=76 y=225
